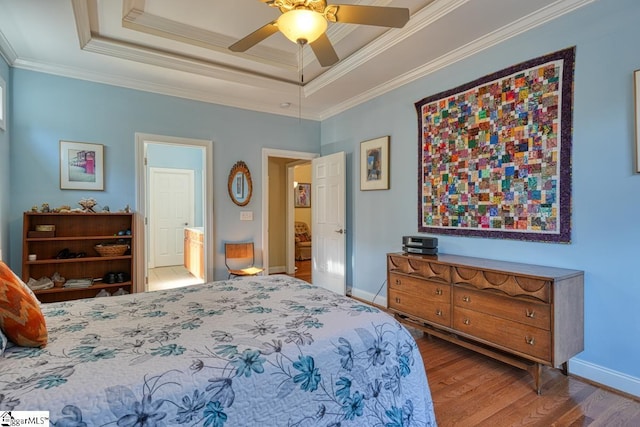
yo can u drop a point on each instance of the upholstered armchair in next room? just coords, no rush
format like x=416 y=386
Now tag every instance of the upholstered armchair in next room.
x=303 y=241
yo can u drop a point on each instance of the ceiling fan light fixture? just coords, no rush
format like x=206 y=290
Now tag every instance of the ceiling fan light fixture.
x=302 y=25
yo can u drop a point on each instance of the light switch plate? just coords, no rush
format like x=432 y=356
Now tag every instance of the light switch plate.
x=246 y=215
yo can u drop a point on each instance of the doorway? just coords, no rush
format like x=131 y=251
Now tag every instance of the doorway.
x=302 y=224
x=171 y=154
x=278 y=208
x=328 y=191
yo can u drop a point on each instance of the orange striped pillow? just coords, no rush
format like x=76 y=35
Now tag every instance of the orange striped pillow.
x=21 y=319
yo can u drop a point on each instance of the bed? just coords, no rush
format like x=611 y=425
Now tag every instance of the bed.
x=269 y=350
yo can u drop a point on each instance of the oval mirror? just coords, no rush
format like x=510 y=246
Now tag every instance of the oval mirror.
x=240 y=187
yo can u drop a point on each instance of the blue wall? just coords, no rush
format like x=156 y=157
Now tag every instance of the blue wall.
x=5 y=73
x=50 y=108
x=605 y=232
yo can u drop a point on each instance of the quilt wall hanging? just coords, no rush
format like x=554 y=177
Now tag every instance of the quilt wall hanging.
x=495 y=154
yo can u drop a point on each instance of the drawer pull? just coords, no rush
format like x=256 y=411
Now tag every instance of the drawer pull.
x=398 y=300
x=398 y=282
x=438 y=291
x=438 y=312
x=466 y=299
x=531 y=314
x=467 y=322
x=530 y=341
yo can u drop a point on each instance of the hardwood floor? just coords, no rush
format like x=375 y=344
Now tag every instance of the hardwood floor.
x=470 y=389
x=303 y=270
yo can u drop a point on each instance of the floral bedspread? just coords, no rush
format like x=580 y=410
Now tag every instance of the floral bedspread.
x=261 y=351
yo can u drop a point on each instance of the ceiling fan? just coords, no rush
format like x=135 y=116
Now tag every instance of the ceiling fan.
x=305 y=21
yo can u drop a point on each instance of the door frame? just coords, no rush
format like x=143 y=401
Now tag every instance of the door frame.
x=142 y=200
x=287 y=154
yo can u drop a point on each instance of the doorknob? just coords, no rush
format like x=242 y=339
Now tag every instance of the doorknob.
x=186 y=223
x=341 y=231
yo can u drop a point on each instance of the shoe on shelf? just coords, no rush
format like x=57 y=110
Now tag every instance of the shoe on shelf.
x=109 y=278
x=63 y=254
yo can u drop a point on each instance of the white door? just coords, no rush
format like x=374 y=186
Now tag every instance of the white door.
x=328 y=218
x=172 y=194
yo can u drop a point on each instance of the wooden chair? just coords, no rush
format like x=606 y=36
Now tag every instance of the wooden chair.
x=239 y=259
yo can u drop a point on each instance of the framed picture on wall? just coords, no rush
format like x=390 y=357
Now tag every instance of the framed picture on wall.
x=302 y=195
x=81 y=166
x=374 y=164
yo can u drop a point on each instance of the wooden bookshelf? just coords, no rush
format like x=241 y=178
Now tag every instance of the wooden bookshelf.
x=78 y=233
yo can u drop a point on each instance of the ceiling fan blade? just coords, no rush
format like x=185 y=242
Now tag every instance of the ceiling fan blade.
x=254 y=38
x=324 y=51
x=381 y=16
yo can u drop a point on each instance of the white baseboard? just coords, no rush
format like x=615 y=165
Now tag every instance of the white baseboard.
x=367 y=296
x=592 y=372
x=277 y=269
x=605 y=376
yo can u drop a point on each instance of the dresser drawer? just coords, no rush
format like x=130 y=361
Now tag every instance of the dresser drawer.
x=510 y=284
x=506 y=333
x=420 y=287
x=419 y=266
x=421 y=307
x=531 y=313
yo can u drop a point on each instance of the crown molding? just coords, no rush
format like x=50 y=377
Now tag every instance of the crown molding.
x=139 y=20
x=81 y=13
x=6 y=50
x=517 y=27
x=133 y=52
x=161 y=89
x=418 y=21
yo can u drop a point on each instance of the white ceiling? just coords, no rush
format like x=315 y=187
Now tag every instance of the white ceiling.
x=180 y=47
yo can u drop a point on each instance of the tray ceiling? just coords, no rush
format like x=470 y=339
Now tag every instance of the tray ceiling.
x=181 y=48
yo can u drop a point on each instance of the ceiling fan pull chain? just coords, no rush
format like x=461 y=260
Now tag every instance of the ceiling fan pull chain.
x=301 y=75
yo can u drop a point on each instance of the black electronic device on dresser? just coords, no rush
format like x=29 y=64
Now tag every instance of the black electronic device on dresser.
x=422 y=245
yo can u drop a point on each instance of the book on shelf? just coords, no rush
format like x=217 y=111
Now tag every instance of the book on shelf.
x=78 y=283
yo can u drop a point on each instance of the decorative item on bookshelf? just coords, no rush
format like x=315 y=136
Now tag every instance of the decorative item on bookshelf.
x=108 y=249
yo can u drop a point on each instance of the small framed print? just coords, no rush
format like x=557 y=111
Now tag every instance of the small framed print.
x=302 y=196
x=374 y=164
x=81 y=166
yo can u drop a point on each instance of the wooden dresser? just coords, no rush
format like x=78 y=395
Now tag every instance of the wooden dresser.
x=524 y=315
